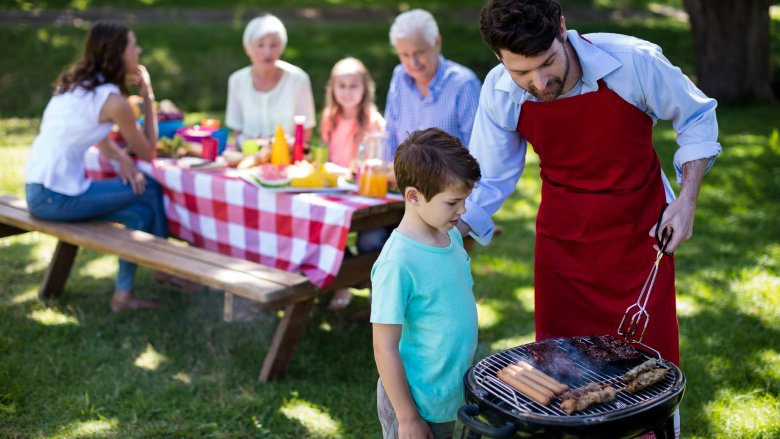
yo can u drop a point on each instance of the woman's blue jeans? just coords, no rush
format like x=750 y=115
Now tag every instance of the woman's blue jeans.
x=109 y=200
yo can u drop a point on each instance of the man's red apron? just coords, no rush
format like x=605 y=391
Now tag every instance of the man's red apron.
x=601 y=193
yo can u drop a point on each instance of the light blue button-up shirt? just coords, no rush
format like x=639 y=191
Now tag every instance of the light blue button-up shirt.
x=635 y=69
x=450 y=105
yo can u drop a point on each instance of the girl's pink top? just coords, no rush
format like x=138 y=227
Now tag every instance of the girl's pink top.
x=343 y=138
x=343 y=146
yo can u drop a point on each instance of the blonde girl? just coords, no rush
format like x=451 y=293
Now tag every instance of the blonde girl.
x=349 y=111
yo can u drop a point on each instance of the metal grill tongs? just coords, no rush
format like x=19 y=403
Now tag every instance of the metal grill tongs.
x=640 y=317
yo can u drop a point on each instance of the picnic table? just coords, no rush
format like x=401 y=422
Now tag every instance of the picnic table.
x=295 y=232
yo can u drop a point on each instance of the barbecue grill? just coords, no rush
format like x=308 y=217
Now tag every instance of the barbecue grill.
x=509 y=413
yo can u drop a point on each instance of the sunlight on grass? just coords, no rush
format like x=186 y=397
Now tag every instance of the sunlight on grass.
x=486 y=265
x=526 y=297
x=19 y=132
x=759 y=296
x=750 y=414
x=94 y=428
x=311 y=417
x=80 y=4
x=686 y=306
x=768 y=366
x=163 y=61
x=183 y=378
x=30 y=295
x=150 y=359
x=12 y=170
x=507 y=343
x=492 y=311
x=52 y=317
x=103 y=266
x=488 y=316
x=53 y=40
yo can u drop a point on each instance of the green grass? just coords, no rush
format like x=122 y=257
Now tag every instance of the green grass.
x=75 y=370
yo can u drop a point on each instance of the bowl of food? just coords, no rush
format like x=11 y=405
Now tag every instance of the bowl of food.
x=232 y=158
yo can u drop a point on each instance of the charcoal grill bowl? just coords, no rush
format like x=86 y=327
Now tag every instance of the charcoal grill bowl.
x=653 y=414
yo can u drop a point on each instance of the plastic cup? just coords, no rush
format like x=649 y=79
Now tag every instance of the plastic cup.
x=250 y=146
x=210 y=146
x=319 y=154
x=222 y=137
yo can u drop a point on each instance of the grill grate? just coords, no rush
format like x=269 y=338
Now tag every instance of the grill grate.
x=507 y=399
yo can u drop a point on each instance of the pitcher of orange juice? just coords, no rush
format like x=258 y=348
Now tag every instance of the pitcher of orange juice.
x=373 y=165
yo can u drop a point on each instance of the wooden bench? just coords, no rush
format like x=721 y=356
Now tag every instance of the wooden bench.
x=269 y=287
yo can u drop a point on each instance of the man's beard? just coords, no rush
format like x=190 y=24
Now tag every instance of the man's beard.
x=555 y=85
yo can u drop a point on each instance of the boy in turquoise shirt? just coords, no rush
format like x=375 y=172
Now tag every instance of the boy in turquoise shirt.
x=422 y=307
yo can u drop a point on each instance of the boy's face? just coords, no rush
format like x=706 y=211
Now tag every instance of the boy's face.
x=443 y=211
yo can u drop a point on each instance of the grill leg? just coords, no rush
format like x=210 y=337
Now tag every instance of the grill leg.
x=466 y=433
x=665 y=430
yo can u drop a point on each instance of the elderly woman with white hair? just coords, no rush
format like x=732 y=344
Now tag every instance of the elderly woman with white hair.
x=427 y=90
x=270 y=91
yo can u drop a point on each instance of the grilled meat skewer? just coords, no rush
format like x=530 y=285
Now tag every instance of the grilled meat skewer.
x=644 y=367
x=646 y=379
x=580 y=391
x=582 y=402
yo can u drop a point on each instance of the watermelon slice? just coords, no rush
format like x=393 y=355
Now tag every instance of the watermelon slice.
x=271 y=177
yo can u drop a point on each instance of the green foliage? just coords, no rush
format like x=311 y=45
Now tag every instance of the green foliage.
x=77 y=370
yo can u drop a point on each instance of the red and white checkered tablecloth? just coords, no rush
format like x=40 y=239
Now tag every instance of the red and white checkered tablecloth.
x=304 y=233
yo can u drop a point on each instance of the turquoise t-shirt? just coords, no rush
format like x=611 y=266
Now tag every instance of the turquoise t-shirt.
x=428 y=290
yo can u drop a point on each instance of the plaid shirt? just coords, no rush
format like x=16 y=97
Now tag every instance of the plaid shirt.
x=450 y=105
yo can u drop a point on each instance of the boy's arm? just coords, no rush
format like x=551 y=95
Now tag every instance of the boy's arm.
x=391 y=371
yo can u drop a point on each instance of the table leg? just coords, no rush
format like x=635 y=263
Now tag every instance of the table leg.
x=59 y=269
x=285 y=339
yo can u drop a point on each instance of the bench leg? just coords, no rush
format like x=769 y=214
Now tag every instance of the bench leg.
x=285 y=339
x=6 y=230
x=59 y=269
x=227 y=311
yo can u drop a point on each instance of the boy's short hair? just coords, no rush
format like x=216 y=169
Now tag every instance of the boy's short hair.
x=431 y=160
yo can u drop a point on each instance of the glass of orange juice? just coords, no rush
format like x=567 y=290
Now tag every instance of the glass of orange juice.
x=372 y=181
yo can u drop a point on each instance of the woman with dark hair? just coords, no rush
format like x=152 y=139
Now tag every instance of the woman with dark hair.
x=88 y=99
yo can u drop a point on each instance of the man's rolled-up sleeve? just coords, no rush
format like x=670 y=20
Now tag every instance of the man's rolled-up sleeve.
x=672 y=96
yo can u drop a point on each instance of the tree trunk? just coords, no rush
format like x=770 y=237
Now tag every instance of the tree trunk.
x=731 y=42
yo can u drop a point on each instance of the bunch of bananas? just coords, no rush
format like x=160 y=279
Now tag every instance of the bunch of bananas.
x=318 y=178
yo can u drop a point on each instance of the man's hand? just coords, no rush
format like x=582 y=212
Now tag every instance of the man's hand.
x=678 y=217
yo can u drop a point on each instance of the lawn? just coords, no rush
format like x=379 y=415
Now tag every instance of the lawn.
x=76 y=370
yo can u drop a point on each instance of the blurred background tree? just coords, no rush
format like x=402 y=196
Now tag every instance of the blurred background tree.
x=731 y=41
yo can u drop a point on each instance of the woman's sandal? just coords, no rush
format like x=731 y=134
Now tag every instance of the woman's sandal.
x=129 y=301
x=177 y=283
